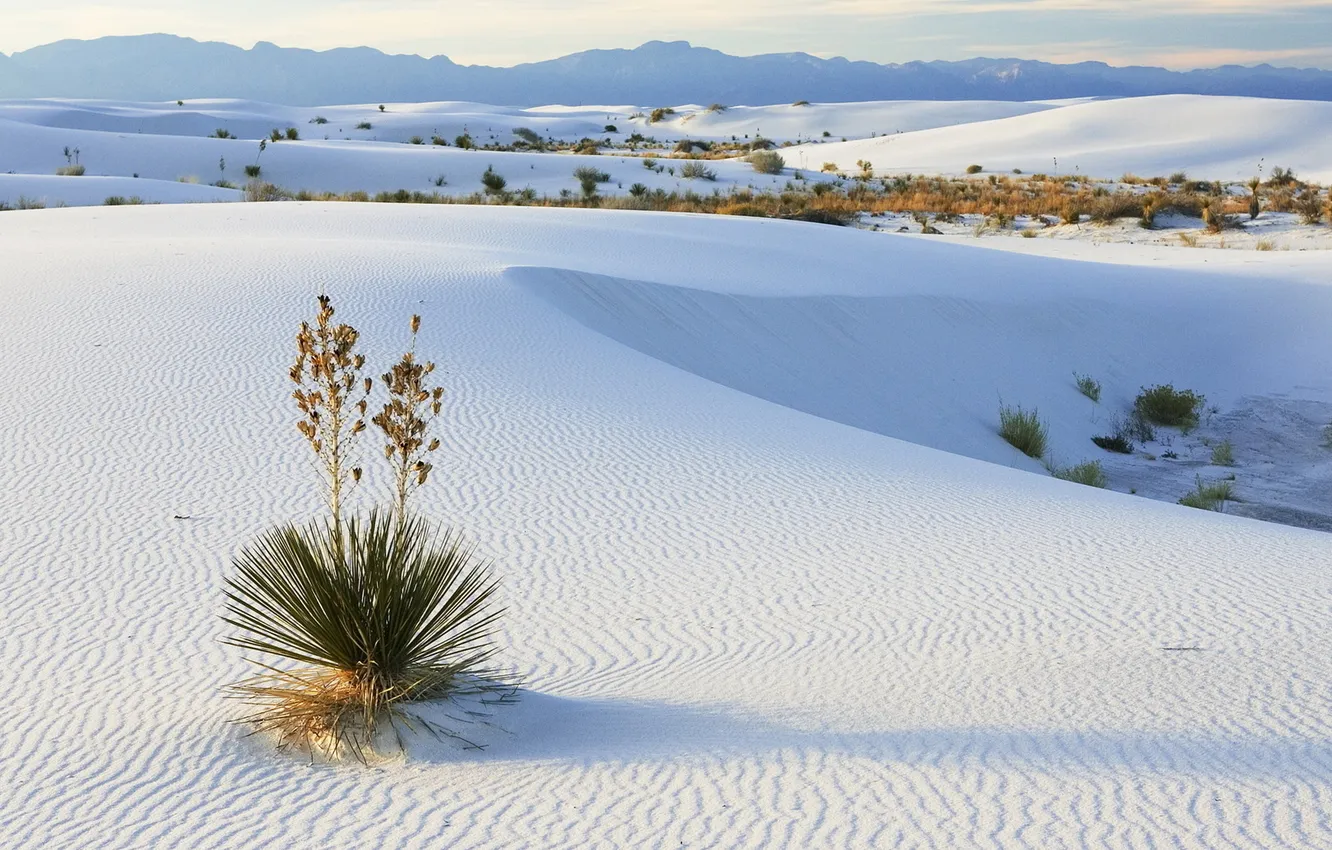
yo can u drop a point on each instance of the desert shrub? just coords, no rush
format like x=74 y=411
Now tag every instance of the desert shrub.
x=71 y=171
x=365 y=125
x=1327 y=437
x=527 y=135
x=595 y=175
x=1089 y=473
x=275 y=135
x=1264 y=245
x=121 y=201
x=588 y=178
x=26 y=203
x=1209 y=495
x=974 y=169
x=649 y=163
x=260 y=191
x=293 y=134
x=767 y=162
x=1282 y=177
x=801 y=103
x=1024 y=430
x=464 y=141
x=1223 y=454
x=1214 y=216
x=1111 y=208
x=716 y=107
x=695 y=170
x=1164 y=405
x=492 y=181
x=416 y=140
x=1309 y=207
x=1116 y=442
x=1179 y=178
x=319 y=119
x=222 y=134
x=253 y=171
x=660 y=113
x=1087 y=385
x=638 y=190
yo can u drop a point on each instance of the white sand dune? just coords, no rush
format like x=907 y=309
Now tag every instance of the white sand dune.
x=1212 y=138
x=741 y=623
x=400 y=121
x=86 y=191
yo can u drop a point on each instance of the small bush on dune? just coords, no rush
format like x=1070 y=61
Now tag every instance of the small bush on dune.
x=1309 y=207
x=1088 y=386
x=660 y=114
x=253 y=171
x=695 y=170
x=222 y=134
x=121 y=201
x=71 y=171
x=416 y=140
x=767 y=162
x=493 y=183
x=1118 y=443
x=1164 y=405
x=1024 y=430
x=1223 y=454
x=974 y=169
x=1089 y=473
x=319 y=119
x=260 y=192
x=365 y=125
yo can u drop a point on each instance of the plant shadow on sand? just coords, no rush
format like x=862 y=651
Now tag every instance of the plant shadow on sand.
x=546 y=728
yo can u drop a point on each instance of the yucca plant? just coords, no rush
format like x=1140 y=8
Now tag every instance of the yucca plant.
x=394 y=613
x=356 y=617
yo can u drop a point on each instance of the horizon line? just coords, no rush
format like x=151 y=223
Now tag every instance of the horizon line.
x=687 y=43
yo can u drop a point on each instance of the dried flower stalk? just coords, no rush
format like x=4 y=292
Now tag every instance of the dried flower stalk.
x=327 y=378
x=405 y=421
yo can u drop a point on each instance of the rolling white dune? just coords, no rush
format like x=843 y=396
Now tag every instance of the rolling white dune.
x=746 y=613
x=1211 y=138
x=1208 y=137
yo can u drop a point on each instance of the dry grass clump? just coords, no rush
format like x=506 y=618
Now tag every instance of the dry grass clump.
x=1223 y=454
x=364 y=615
x=767 y=162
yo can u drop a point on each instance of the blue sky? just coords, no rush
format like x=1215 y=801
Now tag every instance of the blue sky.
x=1176 y=34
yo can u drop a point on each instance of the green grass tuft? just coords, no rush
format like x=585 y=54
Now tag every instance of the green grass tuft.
x=1087 y=385
x=1164 y=405
x=1089 y=473
x=1024 y=430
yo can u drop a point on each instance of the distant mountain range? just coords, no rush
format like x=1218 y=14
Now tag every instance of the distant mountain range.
x=166 y=67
